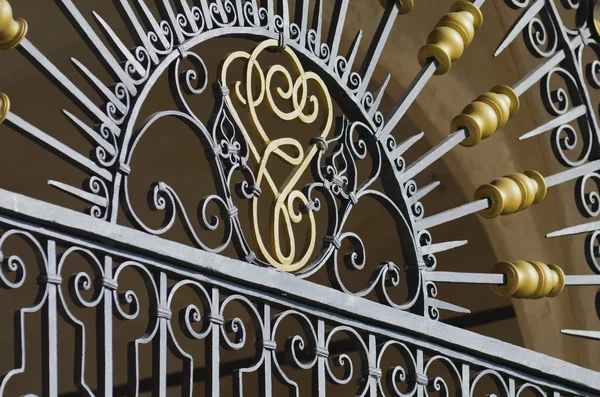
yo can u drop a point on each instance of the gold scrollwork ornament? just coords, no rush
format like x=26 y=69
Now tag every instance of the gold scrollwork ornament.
x=12 y=31
x=304 y=107
x=529 y=280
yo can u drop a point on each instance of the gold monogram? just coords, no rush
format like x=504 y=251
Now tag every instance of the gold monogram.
x=284 y=196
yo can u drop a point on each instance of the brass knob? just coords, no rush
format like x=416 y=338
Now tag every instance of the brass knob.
x=452 y=34
x=512 y=193
x=487 y=114
x=529 y=280
x=4 y=106
x=11 y=31
x=405 y=5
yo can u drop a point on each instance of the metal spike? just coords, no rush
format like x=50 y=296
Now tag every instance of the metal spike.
x=434 y=154
x=595 y=335
x=579 y=229
x=377 y=44
x=466 y=278
x=350 y=58
x=302 y=19
x=584 y=279
x=152 y=24
x=100 y=88
x=96 y=44
x=441 y=247
x=55 y=146
x=572 y=173
x=378 y=95
x=422 y=192
x=79 y=193
x=408 y=96
x=166 y=10
x=523 y=20
x=118 y=44
x=136 y=29
x=89 y=133
x=536 y=74
x=336 y=29
x=569 y=116
x=404 y=146
x=64 y=84
x=453 y=214
x=446 y=306
x=283 y=9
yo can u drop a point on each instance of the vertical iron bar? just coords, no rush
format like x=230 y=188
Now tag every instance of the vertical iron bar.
x=50 y=324
x=420 y=369
x=159 y=356
x=374 y=370
x=105 y=367
x=266 y=368
x=212 y=351
x=320 y=379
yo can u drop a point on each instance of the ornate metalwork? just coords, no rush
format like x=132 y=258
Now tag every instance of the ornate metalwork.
x=530 y=280
x=239 y=147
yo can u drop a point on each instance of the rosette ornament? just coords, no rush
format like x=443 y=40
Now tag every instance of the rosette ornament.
x=486 y=114
x=11 y=31
x=4 y=106
x=451 y=36
x=405 y=5
x=529 y=280
x=512 y=193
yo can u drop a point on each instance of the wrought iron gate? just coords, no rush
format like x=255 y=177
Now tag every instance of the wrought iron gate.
x=240 y=291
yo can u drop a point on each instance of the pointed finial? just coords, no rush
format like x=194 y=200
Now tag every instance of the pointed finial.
x=405 y=5
x=451 y=36
x=11 y=31
x=512 y=193
x=4 y=106
x=529 y=280
x=487 y=114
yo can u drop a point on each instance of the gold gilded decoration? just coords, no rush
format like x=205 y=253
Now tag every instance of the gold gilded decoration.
x=304 y=107
x=451 y=36
x=405 y=5
x=487 y=114
x=597 y=18
x=11 y=31
x=529 y=280
x=4 y=106
x=512 y=193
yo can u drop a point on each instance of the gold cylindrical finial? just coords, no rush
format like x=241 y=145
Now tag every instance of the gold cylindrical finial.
x=529 y=280
x=4 y=106
x=452 y=34
x=405 y=5
x=486 y=114
x=11 y=31
x=512 y=193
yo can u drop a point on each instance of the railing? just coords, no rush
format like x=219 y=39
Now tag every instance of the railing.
x=327 y=339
